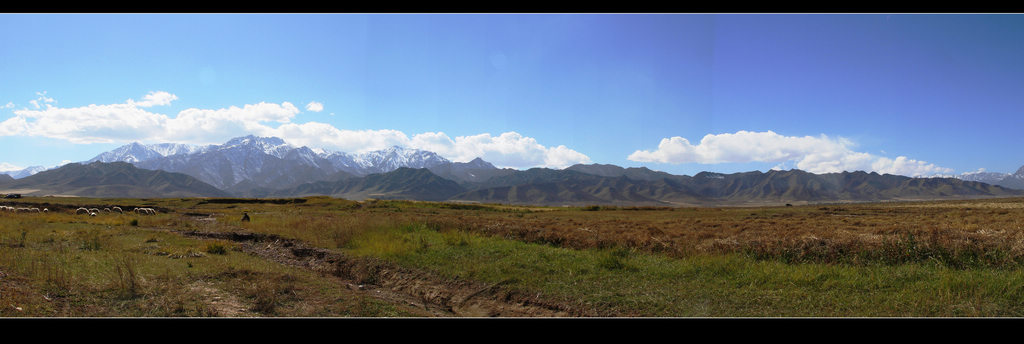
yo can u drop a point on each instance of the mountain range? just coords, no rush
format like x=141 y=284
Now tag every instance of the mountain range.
x=113 y=180
x=253 y=166
x=1009 y=180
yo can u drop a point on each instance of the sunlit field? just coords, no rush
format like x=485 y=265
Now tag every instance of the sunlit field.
x=319 y=256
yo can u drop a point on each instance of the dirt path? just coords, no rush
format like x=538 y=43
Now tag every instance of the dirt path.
x=437 y=295
x=224 y=303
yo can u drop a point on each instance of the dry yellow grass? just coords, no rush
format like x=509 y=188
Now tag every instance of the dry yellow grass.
x=985 y=231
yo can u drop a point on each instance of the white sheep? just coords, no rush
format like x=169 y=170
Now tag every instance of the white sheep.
x=94 y=210
x=117 y=209
x=92 y=214
x=34 y=210
x=106 y=210
x=46 y=210
x=81 y=211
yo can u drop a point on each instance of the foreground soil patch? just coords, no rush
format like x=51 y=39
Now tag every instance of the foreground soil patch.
x=439 y=296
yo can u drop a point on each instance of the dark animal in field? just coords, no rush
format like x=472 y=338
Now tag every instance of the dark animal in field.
x=789 y=205
x=245 y=217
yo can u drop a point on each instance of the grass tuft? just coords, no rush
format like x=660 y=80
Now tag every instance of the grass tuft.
x=216 y=248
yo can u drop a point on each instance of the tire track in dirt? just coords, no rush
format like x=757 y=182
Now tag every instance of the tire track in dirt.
x=437 y=295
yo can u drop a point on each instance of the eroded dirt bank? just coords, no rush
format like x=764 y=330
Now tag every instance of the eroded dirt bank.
x=440 y=296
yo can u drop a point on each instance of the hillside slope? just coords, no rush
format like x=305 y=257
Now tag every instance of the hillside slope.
x=116 y=179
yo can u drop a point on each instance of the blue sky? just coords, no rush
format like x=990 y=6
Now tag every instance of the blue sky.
x=905 y=94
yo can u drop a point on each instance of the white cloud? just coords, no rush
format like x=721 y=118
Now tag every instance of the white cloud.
x=509 y=149
x=13 y=126
x=154 y=98
x=820 y=154
x=42 y=98
x=908 y=167
x=5 y=167
x=9 y=105
x=132 y=122
x=315 y=106
x=323 y=135
x=128 y=122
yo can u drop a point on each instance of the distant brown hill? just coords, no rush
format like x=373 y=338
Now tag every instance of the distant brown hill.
x=116 y=179
x=479 y=181
x=553 y=187
x=402 y=183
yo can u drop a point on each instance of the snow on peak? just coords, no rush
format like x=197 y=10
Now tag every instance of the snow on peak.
x=393 y=157
x=25 y=172
x=270 y=145
x=982 y=176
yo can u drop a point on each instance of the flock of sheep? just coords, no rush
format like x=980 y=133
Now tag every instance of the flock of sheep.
x=96 y=211
x=80 y=211
x=22 y=210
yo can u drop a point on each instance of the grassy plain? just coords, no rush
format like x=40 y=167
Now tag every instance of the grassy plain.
x=946 y=258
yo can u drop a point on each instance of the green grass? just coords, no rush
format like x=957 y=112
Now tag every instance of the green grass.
x=627 y=282
x=79 y=269
x=928 y=261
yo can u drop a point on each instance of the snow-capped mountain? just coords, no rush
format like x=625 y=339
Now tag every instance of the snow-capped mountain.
x=1014 y=181
x=136 y=152
x=263 y=161
x=983 y=176
x=268 y=145
x=1006 y=180
x=28 y=171
x=392 y=158
x=266 y=162
x=1019 y=174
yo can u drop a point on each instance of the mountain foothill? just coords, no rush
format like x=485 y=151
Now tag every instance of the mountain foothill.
x=259 y=167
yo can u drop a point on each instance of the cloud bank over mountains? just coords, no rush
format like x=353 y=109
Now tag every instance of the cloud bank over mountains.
x=820 y=154
x=4 y=167
x=133 y=121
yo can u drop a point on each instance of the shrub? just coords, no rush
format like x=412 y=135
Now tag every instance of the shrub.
x=216 y=249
